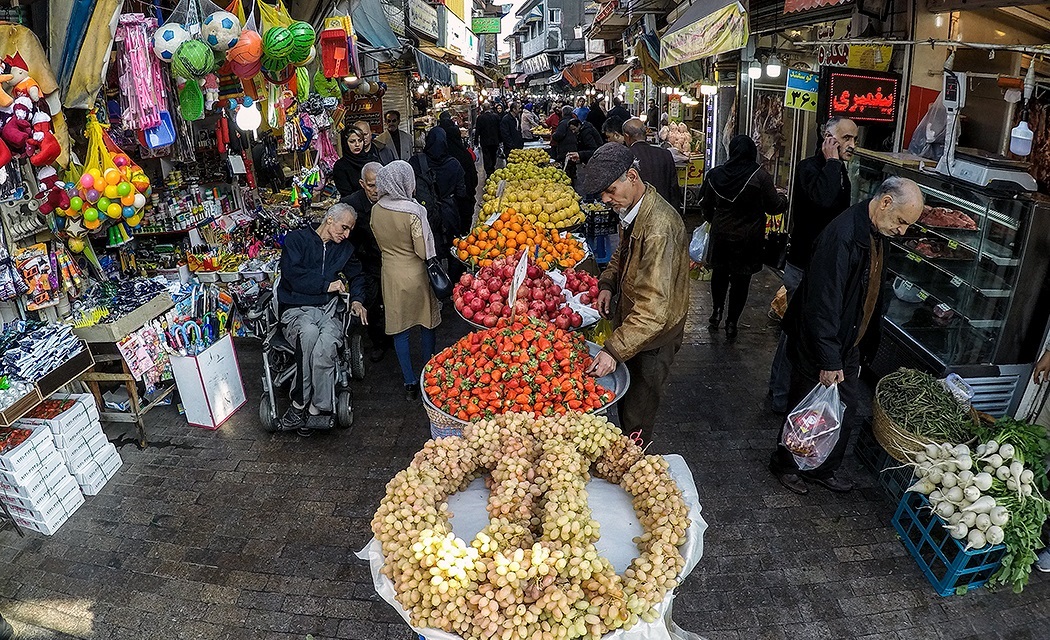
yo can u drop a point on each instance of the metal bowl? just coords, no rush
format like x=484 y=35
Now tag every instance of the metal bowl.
x=616 y=383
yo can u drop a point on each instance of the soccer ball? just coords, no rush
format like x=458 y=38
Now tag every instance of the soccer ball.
x=248 y=48
x=193 y=60
x=221 y=30
x=167 y=39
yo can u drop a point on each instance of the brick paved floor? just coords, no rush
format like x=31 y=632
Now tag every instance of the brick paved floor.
x=241 y=534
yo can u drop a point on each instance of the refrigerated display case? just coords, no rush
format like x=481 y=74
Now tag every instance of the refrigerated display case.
x=966 y=288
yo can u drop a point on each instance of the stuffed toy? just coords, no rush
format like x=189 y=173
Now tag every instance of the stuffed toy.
x=5 y=100
x=21 y=83
x=46 y=147
x=52 y=194
x=18 y=129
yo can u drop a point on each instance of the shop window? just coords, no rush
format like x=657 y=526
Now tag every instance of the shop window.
x=554 y=16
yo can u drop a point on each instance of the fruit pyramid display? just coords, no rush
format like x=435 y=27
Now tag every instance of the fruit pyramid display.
x=544 y=195
x=534 y=156
x=510 y=232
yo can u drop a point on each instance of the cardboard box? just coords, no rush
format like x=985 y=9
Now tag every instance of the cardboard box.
x=66 y=372
x=69 y=440
x=29 y=453
x=210 y=384
x=49 y=527
x=97 y=472
x=34 y=482
x=83 y=450
x=114 y=331
x=84 y=412
x=50 y=506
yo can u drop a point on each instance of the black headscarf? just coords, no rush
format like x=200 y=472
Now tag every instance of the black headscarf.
x=596 y=115
x=729 y=179
x=458 y=150
x=448 y=173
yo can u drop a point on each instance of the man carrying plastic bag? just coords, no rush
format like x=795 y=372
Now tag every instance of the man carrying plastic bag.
x=835 y=309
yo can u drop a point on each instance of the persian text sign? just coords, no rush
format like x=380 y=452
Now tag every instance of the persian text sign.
x=801 y=92
x=723 y=30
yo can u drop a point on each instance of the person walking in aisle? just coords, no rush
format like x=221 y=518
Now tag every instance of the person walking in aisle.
x=486 y=136
x=649 y=273
x=656 y=164
x=822 y=192
x=836 y=314
x=510 y=129
x=652 y=115
x=736 y=198
x=403 y=233
x=529 y=121
x=618 y=110
x=458 y=150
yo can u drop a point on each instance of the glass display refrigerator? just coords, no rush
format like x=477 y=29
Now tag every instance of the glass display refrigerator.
x=966 y=289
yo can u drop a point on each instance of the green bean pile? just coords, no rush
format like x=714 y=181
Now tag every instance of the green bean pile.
x=920 y=403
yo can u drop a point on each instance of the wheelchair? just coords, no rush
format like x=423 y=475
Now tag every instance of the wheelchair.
x=279 y=364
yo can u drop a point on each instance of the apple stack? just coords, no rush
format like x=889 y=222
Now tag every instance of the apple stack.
x=35 y=484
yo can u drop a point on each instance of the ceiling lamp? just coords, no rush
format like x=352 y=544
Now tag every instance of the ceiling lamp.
x=773 y=67
x=754 y=70
x=248 y=116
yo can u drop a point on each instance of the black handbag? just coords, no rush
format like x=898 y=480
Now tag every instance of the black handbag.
x=439 y=280
x=774 y=251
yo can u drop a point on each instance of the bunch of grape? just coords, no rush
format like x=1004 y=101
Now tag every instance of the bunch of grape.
x=533 y=572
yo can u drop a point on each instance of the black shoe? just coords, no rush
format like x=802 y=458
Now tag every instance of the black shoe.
x=305 y=433
x=293 y=419
x=731 y=330
x=412 y=392
x=791 y=481
x=714 y=321
x=377 y=354
x=831 y=483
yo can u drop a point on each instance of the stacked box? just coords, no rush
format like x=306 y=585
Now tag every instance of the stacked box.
x=78 y=436
x=35 y=484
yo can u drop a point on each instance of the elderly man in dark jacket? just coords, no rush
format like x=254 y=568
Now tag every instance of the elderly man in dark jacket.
x=510 y=129
x=836 y=308
x=657 y=164
x=486 y=136
x=822 y=192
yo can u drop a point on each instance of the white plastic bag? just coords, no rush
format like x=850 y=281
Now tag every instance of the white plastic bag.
x=812 y=428
x=698 y=245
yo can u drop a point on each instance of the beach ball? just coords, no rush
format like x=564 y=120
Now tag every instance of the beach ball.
x=167 y=40
x=309 y=58
x=247 y=70
x=221 y=30
x=140 y=182
x=248 y=48
x=302 y=39
x=193 y=60
x=278 y=43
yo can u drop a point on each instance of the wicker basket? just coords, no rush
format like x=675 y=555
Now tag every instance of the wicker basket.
x=893 y=438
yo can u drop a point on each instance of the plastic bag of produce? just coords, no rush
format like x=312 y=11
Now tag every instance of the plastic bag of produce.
x=812 y=428
x=698 y=245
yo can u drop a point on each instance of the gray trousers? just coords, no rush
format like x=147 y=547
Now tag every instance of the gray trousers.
x=316 y=334
x=649 y=369
x=780 y=374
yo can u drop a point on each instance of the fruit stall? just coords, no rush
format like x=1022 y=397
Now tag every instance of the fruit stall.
x=972 y=505
x=530 y=526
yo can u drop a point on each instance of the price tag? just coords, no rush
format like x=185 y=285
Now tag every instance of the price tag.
x=952 y=244
x=914 y=257
x=957 y=281
x=520 y=272
x=493 y=218
x=922 y=295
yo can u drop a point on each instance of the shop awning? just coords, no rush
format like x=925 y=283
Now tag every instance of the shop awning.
x=484 y=78
x=432 y=69
x=577 y=74
x=536 y=64
x=370 y=23
x=707 y=28
x=607 y=81
x=556 y=78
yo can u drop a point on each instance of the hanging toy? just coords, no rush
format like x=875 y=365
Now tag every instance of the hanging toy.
x=22 y=84
x=302 y=41
x=221 y=30
x=193 y=60
x=277 y=45
x=168 y=39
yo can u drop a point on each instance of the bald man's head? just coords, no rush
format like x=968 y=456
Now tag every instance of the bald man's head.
x=896 y=205
x=633 y=131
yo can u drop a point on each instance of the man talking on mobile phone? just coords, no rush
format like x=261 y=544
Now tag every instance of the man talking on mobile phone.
x=822 y=192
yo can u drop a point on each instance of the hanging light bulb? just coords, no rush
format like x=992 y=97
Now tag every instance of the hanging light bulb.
x=421 y=89
x=754 y=70
x=773 y=67
x=248 y=117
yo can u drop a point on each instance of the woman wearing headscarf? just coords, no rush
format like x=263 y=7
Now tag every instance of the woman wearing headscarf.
x=403 y=233
x=446 y=181
x=346 y=173
x=735 y=199
x=458 y=150
x=596 y=115
x=529 y=121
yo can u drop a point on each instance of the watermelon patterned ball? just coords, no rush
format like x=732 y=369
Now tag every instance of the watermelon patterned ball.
x=192 y=60
x=167 y=39
x=221 y=30
x=277 y=43
x=302 y=39
x=273 y=65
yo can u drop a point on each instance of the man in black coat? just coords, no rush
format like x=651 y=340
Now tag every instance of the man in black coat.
x=486 y=136
x=618 y=110
x=835 y=310
x=510 y=129
x=822 y=192
x=367 y=251
x=657 y=164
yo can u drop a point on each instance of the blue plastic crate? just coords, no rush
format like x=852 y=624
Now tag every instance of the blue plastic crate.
x=945 y=562
x=892 y=477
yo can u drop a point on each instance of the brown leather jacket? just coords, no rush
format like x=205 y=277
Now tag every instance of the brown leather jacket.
x=650 y=272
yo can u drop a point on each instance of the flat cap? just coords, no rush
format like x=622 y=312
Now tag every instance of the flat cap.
x=607 y=164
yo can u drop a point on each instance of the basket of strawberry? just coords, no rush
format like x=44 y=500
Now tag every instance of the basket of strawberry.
x=522 y=364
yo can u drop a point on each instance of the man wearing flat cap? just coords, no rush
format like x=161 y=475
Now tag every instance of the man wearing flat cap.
x=649 y=272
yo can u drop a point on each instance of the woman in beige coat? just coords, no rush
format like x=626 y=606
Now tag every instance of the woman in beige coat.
x=404 y=236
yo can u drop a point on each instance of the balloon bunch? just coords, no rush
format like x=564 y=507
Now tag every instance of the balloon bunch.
x=118 y=192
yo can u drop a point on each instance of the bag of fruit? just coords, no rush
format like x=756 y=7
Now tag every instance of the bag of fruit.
x=812 y=428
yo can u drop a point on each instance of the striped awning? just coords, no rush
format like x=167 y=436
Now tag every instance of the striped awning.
x=607 y=81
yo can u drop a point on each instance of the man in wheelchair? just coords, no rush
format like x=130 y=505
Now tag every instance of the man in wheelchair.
x=308 y=296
